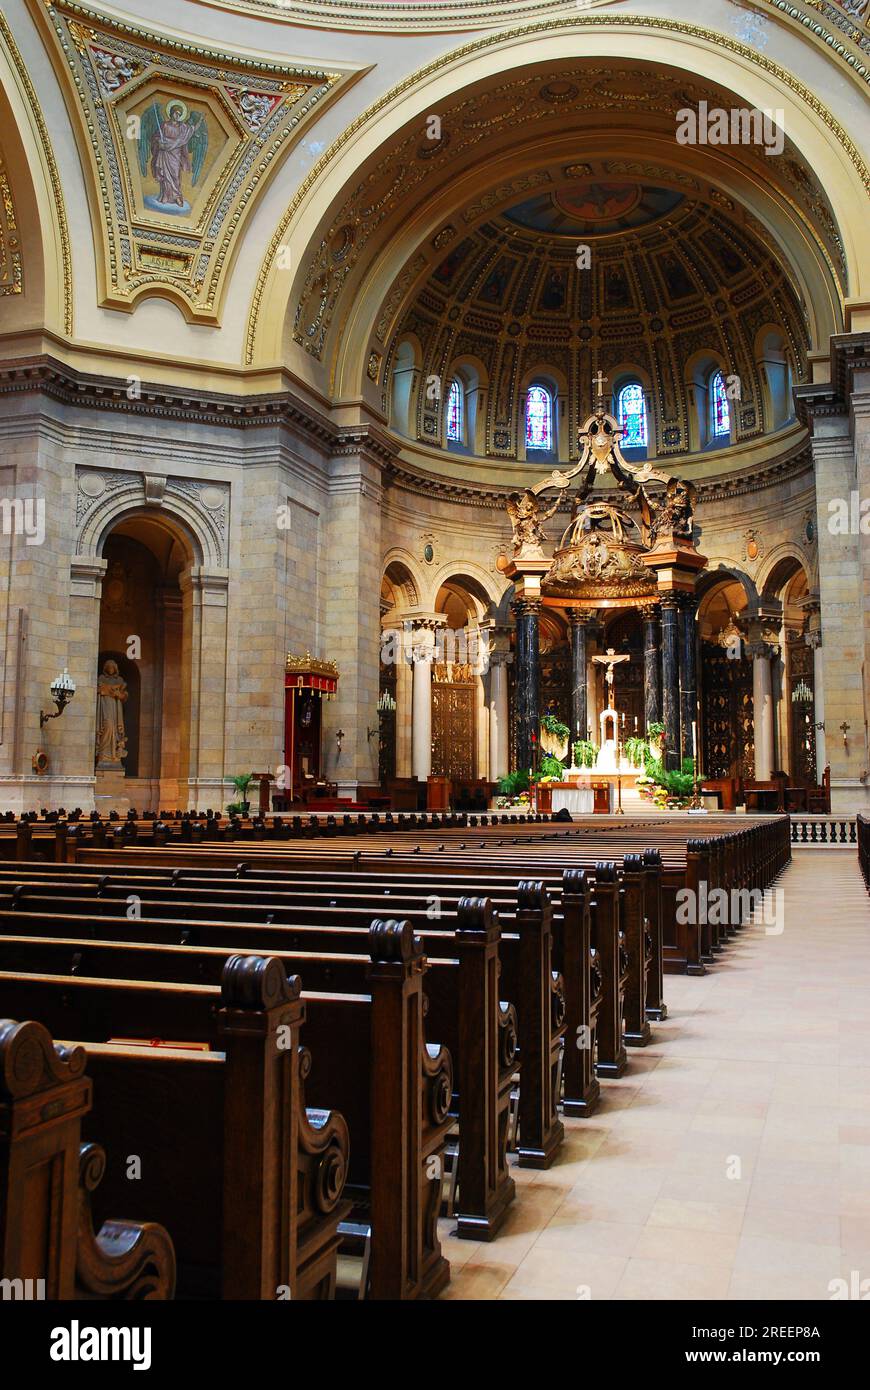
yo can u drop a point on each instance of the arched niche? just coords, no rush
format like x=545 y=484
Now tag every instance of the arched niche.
x=146 y=626
x=405 y=382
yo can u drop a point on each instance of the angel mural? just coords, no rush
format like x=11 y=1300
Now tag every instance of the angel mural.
x=175 y=142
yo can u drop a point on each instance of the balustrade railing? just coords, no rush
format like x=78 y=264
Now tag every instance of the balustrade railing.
x=823 y=830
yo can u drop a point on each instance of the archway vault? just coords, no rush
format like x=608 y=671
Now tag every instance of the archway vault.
x=380 y=202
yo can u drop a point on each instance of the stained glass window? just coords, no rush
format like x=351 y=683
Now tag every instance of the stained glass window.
x=454 y=413
x=539 y=418
x=721 y=411
x=631 y=413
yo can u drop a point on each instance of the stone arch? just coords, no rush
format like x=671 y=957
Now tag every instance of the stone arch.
x=779 y=568
x=477 y=582
x=146 y=582
x=197 y=512
x=402 y=575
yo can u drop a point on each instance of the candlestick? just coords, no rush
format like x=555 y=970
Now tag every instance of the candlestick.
x=635 y=723
x=694 y=745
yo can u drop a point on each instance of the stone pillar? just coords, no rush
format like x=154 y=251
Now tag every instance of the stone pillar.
x=671 y=679
x=421 y=707
x=499 y=656
x=419 y=635
x=352 y=614
x=814 y=640
x=688 y=673
x=528 y=680
x=762 y=708
x=843 y=657
x=203 y=707
x=652 y=678
x=579 y=708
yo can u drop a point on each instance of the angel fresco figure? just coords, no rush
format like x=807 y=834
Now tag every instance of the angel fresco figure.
x=175 y=144
x=526 y=516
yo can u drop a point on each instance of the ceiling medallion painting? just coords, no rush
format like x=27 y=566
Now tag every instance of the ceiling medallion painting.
x=405 y=16
x=180 y=139
x=595 y=207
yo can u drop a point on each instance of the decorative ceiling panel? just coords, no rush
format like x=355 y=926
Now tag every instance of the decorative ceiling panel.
x=179 y=141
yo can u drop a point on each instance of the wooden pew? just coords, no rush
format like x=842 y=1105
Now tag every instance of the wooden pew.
x=48 y=1248
x=394 y=1090
x=527 y=980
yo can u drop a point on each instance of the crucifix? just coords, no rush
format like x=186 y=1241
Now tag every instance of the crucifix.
x=610 y=660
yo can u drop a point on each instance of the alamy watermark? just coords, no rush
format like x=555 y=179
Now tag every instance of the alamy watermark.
x=742 y=125
x=23 y=516
x=717 y=907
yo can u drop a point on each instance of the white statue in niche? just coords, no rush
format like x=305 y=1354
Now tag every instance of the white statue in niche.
x=111 y=747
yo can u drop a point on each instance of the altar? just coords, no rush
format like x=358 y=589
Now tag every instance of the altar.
x=591 y=793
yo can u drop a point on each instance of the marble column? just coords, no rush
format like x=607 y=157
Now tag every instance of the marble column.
x=421 y=703
x=579 y=716
x=688 y=673
x=528 y=680
x=652 y=678
x=499 y=741
x=814 y=640
x=762 y=709
x=671 y=679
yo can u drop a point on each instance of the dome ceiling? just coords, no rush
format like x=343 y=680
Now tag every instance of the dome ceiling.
x=678 y=277
x=553 y=151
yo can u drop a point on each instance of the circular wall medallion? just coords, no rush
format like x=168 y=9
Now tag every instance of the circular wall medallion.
x=92 y=484
x=211 y=498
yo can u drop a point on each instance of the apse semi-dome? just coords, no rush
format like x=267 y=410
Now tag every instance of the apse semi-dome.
x=663 y=286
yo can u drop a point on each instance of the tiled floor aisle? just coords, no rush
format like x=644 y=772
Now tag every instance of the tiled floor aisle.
x=762 y=1070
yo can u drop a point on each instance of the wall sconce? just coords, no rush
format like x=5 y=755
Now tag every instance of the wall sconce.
x=339 y=738
x=63 y=687
x=844 y=729
x=370 y=733
x=820 y=727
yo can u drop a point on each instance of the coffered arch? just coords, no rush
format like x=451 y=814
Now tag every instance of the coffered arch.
x=406 y=198
x=31 y=188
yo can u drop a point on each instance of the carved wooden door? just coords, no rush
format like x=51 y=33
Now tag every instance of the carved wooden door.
x=453 y=729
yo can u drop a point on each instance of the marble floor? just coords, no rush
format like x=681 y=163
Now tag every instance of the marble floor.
x=733 y=1159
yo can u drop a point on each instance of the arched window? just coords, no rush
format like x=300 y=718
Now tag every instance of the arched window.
x=455 y=413
x=539 y=418
x=631 y=413
x=720 y=410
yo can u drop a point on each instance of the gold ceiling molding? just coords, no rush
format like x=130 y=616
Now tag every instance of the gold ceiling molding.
x=397 y=16
x=179 y=140
x=715 y=39
x=11 y=276
x=59 y=206
x=828 y=22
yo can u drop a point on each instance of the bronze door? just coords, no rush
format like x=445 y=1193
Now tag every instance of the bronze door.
x=453 y=729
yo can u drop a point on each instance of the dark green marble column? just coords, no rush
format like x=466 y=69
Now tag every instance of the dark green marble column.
x=579 y=624
x=688 y=672
x=671 y=679
x=528 y=680
x=652 y=677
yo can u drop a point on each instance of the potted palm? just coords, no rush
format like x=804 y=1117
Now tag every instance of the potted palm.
x=241 y=784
